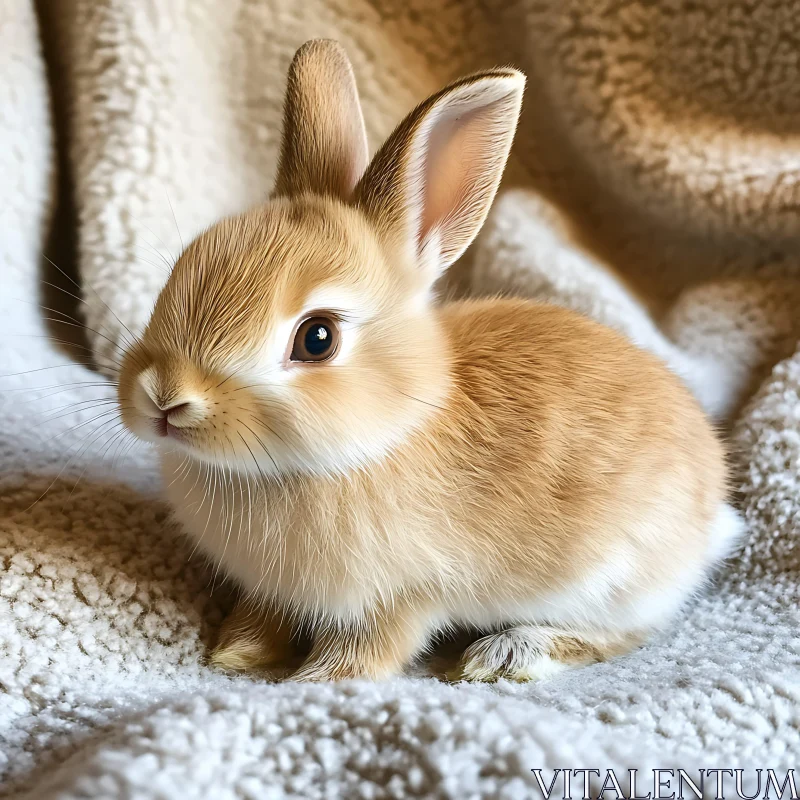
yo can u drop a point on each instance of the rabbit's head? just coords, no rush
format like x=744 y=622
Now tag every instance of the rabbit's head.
x=303 y=335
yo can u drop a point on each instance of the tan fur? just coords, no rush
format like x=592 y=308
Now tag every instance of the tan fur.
x=324 y=147
x=498 y=464
x=253 y=637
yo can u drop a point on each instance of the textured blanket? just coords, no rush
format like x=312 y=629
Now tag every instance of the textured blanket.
x=654 y=185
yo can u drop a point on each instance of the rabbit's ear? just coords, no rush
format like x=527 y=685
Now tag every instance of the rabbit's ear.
x=324 y=147
x=429 y=188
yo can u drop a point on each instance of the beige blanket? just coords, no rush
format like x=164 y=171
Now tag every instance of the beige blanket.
x=654 y=186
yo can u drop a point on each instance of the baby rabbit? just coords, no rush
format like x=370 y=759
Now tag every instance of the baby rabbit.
x=378 y=468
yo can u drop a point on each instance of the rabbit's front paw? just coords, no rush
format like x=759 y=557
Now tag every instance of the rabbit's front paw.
x=252 y=639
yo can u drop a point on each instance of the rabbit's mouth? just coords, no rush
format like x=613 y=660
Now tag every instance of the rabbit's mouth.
x=166 y=430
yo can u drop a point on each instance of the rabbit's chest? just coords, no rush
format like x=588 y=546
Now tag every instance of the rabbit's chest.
x=306 y=548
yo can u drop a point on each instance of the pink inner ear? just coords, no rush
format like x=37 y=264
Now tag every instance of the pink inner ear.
x=429 y=188
x=459 y=168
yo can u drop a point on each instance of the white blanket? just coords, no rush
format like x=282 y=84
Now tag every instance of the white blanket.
x=659 y=143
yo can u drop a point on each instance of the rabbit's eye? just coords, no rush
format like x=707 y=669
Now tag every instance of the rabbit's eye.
x=317 y=339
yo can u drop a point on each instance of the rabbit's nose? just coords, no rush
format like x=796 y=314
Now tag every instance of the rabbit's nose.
x=177 y=405
x=183 y=413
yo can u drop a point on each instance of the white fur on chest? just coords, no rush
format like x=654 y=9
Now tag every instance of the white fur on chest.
x=272 y=546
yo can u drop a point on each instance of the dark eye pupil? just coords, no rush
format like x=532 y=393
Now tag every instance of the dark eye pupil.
x=318 y=339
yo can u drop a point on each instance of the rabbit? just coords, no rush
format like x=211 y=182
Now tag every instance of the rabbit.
x=377 y=467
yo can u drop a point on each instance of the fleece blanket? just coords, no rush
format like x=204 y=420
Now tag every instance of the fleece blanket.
x=654 y=186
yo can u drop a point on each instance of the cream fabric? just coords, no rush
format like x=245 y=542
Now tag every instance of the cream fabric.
x=653 y=186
